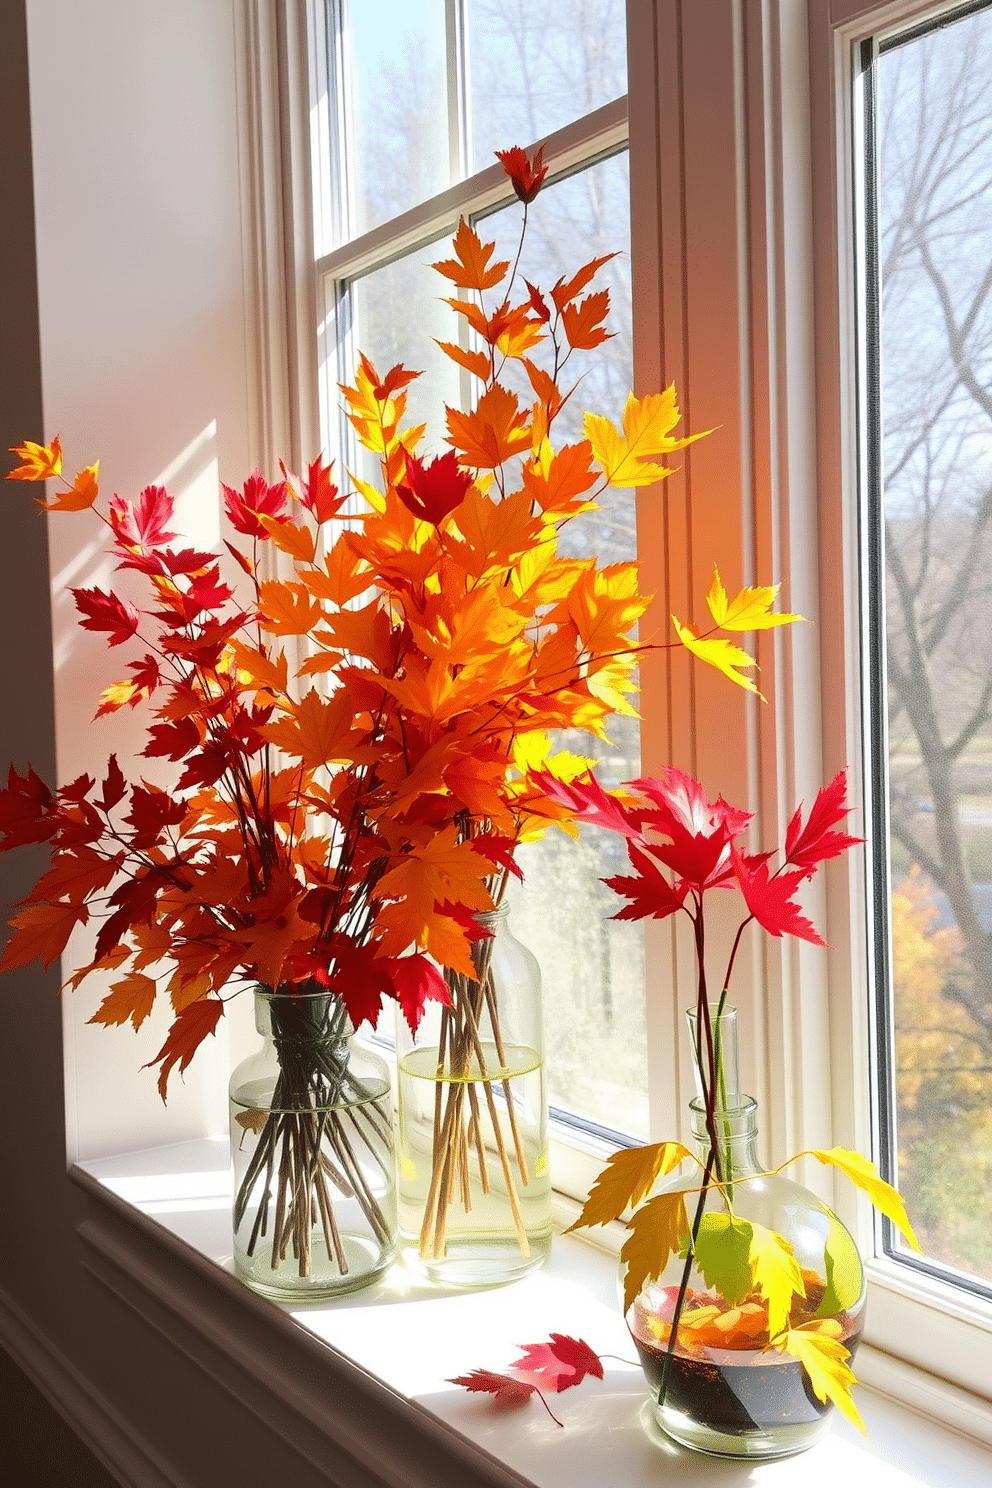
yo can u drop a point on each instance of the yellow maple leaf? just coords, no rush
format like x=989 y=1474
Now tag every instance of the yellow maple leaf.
x=40 y=460
x=867 y=1177
x=718 y=652
x=629 y=1175
x=630 y=458
x=824 y=1360
x=776 y=1274
x=750 y=609
x=658 y=1230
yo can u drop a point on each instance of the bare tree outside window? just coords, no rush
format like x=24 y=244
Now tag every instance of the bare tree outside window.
x=935 y=246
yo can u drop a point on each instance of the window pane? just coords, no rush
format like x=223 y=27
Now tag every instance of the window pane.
x=399 y=113
x=935 y=251
x=397 y=314
x=593 y=968
x=535 y=67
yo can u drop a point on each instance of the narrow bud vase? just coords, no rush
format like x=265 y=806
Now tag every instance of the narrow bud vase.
x=474 y=1186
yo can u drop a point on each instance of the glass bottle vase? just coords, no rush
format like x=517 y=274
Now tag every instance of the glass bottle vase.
x=718 y=1387
x=474 y=1187
x=312 y=1149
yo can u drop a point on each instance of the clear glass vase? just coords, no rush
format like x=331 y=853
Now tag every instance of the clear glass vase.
x=474 y=1187
x=312 y=1148
x=716 y=1387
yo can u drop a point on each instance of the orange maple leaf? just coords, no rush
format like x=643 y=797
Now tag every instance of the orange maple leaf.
x=298 y=542
x=442 y=868
x=494 y=533
x=584 y=322
x=129 y=1000
x=185 y=1036
x=470 y=268
x=41 y=932
x=287 y=609
x=558 y=481
x=475 y=362
x=77 y=497
x=319 y=731
x=75 y=875
x=493 y=433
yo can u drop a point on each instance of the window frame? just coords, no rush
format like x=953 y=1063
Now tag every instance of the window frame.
x=913 y=1316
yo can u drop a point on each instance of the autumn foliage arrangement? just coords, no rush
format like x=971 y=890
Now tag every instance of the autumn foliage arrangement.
x=336 y=823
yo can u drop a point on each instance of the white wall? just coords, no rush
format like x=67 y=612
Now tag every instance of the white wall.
x=144 y=343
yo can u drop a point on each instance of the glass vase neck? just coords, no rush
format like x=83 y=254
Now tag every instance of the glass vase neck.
x=311 y=1013
x=736 y=1136
x=714 y=1056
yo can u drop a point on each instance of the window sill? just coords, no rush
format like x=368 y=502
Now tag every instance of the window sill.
x=407 y=1339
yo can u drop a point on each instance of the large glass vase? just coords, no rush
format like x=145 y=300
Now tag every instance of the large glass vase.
x=715 y=1383
x=312 y=1147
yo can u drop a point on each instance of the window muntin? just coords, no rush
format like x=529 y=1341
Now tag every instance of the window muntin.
x=928 y=133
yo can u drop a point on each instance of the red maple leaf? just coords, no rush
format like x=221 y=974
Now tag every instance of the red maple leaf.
x=114 y=786
x=538 y=303
x=416 y=981
x=358 y=978
x=207 y=765
x=187 y=1033
x=26 y=810
x=807 y=847
x=527 y=175
x=769 y=898
x=143 y=523
x=432 y=491
x=587 y=800
x=650 y=892
x=106 y=612
x=152 y=810
x=561 y=1363
x=172 y=740
x=257 y=498
x=501 y=1386
x=319 y=494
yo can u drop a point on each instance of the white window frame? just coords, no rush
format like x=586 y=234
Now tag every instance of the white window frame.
x=924 y=1321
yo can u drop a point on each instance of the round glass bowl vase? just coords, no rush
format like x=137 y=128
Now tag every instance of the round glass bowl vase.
x=474 y=1186
x=719 y=1388
x=312 y=1149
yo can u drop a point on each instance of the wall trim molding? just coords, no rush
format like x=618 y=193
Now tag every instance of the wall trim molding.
x=334 y=1417
x=89 y=1414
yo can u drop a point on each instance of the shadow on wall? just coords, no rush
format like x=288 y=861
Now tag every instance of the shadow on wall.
x=37 y=1448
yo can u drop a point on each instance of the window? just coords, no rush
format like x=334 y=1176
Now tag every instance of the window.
x=404 y=150
x=929 y=508
x=911 y=181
